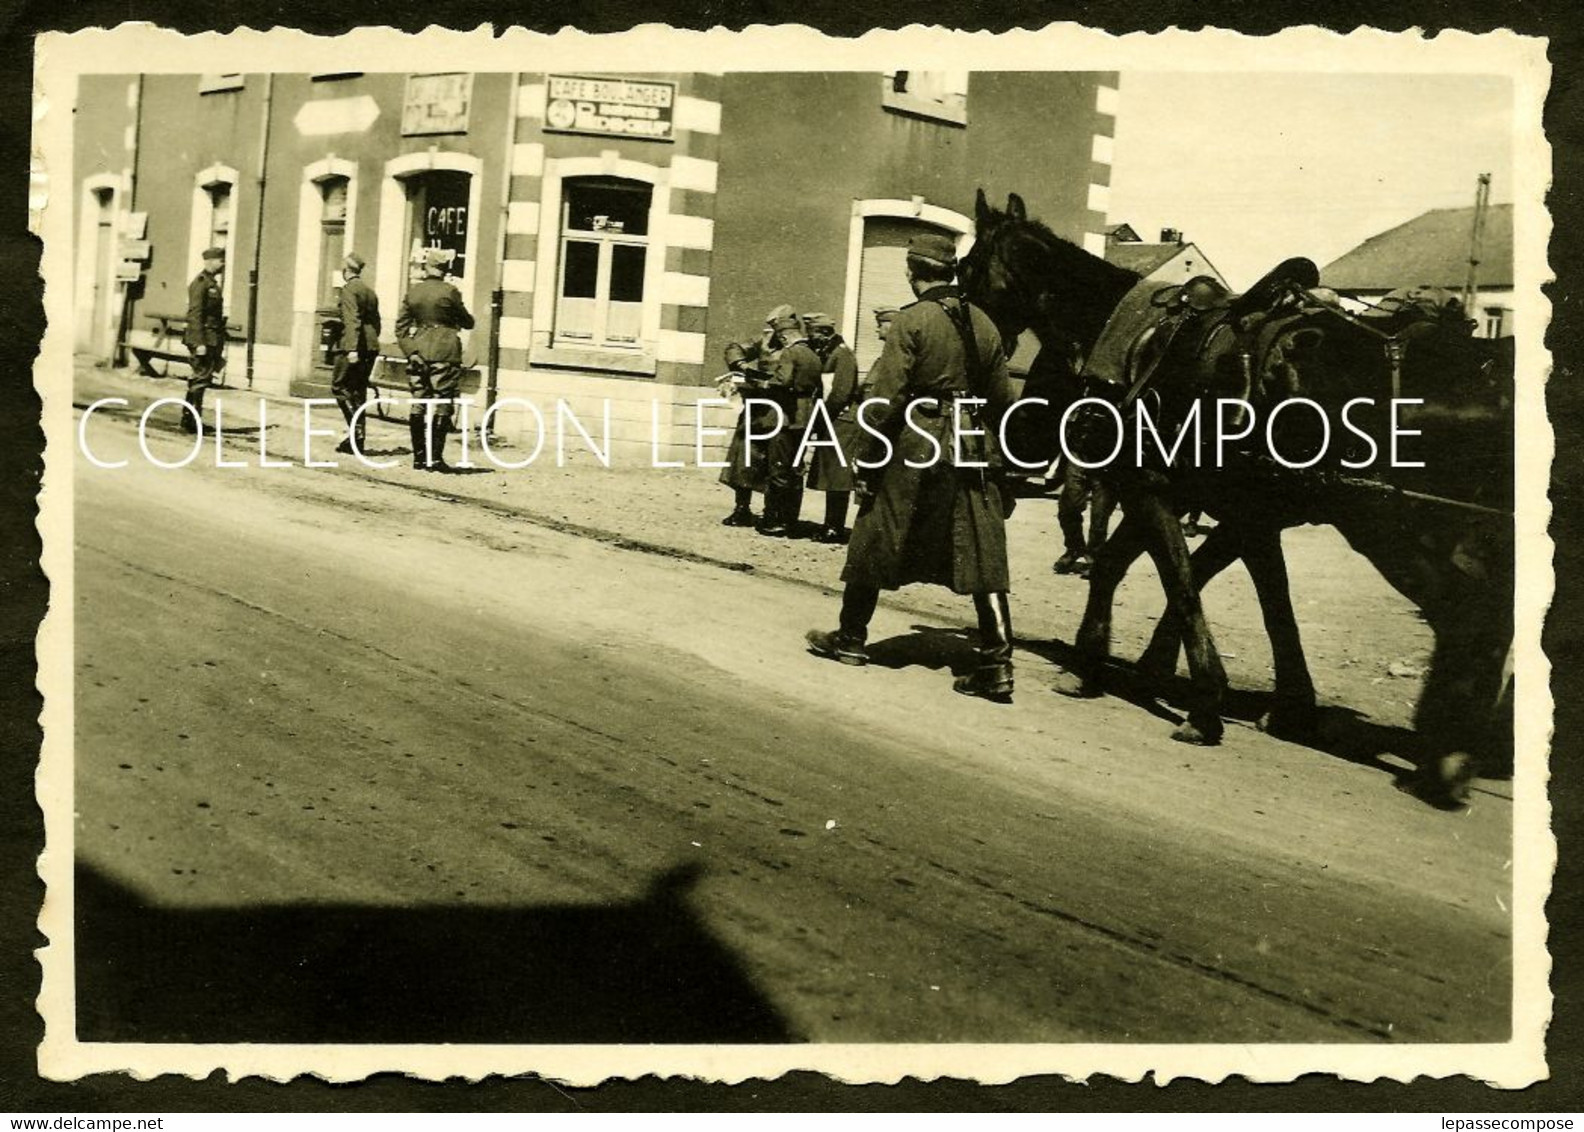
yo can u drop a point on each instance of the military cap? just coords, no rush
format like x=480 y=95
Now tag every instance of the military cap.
x=886 y=314
x=214 y=253
x=438 y=257
x=779 y=314
x=933 y=247
x=819 y=320
x=355 y=261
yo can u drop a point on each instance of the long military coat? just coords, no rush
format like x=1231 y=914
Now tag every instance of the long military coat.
x=939 y=524
x=827 y=470
x=747 y=466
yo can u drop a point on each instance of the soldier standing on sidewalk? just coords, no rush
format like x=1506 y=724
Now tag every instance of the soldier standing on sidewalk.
x=360 y=331
x=794 y=383
x=831 y=469
x=942 y=522
x=426 y=331
x=206 y=333
x=745 y=466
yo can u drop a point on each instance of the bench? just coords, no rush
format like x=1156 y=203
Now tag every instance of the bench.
x=157 y=347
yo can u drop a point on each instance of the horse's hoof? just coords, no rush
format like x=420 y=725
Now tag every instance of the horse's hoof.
x=1446 y=781
x=1079 y=688
x=1199 y=735
x=1289 y=721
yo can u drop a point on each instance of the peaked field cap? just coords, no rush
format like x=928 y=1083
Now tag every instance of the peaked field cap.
x=214 y=253
x=355 y=261
x=819 y=319
x=438 y=257
x=886 y=314
x=933 y=247
x=780 y=314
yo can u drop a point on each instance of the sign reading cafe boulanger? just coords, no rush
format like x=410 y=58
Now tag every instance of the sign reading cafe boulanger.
x=610 y=107
x=436 y=104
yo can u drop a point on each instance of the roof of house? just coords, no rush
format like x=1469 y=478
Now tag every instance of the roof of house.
x=1121 y=232
x=1429 y=250
x=1141 y=258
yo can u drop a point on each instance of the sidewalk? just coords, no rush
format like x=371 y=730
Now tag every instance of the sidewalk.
x=677 y=512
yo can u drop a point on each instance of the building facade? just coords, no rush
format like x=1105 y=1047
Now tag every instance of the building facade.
x=611 y=233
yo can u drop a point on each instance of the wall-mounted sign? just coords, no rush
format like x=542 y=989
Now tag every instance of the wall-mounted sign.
x=129 y=271
x=623 y=108
x=136 y=249
x=135 y=226
x=437 y=104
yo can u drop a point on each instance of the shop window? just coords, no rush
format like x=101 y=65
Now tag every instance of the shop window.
x=604 y=249
x=438 y=216
x=938 y=95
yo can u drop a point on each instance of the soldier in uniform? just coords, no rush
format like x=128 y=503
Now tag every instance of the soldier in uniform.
x=794 y=383
x=830 y=469
x=360 y=331
x=426 y=331
x=206 y=333
x=943 y=522
x=745 y=466
x=884 y=316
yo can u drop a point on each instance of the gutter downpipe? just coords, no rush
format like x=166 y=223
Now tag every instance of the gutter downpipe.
x=258 y=227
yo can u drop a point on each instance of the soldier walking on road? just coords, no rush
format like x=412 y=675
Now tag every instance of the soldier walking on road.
x=831 y=469
x=426 y=331
x=944 y=521
x=360 y=331
x=206 y=333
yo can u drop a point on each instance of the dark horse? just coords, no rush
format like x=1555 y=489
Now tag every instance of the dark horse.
x=1441 y=535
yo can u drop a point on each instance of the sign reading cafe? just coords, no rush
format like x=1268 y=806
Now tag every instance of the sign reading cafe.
x=626 y=108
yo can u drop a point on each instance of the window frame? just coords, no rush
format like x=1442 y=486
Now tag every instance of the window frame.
x=905 y=102
x=607 y=242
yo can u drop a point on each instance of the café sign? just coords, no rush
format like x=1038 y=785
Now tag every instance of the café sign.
x=622 y=108
x=436 y=104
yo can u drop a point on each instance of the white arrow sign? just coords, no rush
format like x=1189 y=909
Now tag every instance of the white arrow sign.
x=336 y=116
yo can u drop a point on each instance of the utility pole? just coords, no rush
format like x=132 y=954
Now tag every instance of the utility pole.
x=1476 y=239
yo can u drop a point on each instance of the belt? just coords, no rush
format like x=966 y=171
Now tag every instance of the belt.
x=940 y=407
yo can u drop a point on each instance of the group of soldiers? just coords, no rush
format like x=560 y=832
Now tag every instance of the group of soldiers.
x=427 y=331
x=781 y=375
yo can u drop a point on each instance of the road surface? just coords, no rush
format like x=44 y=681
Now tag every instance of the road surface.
x=355 y=763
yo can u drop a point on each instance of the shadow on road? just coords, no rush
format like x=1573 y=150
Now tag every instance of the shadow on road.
x=644 y=971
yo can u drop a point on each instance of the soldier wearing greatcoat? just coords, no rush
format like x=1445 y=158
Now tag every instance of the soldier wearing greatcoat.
x=746 y=463
x=942 y=522
x=831 y=468
x=794 y=383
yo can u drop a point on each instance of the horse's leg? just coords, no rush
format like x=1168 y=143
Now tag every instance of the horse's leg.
x=1111 y=564
x=1221 y=548
x=1293 y=712
x=1164 y=539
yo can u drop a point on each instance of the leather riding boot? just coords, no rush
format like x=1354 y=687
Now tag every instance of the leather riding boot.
x=992 y=675
x=347 y=411
x=742 y=511
x=835 y=528
x=442 y=429
x=774 y=524
x=792 y=511
x=189 y=421
x=846 y=643
x=415 y=426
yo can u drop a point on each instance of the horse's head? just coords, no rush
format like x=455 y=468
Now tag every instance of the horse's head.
x=1024 y=276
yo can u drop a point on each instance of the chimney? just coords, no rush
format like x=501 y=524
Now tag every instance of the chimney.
x=1171 y=236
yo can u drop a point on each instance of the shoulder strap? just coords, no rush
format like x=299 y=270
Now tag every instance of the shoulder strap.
x=962 y=318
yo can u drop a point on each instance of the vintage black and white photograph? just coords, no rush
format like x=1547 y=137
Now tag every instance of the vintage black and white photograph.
x=936 y=554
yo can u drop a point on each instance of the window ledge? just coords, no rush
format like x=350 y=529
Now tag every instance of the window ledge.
x=924 y=108
x=640 y=362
